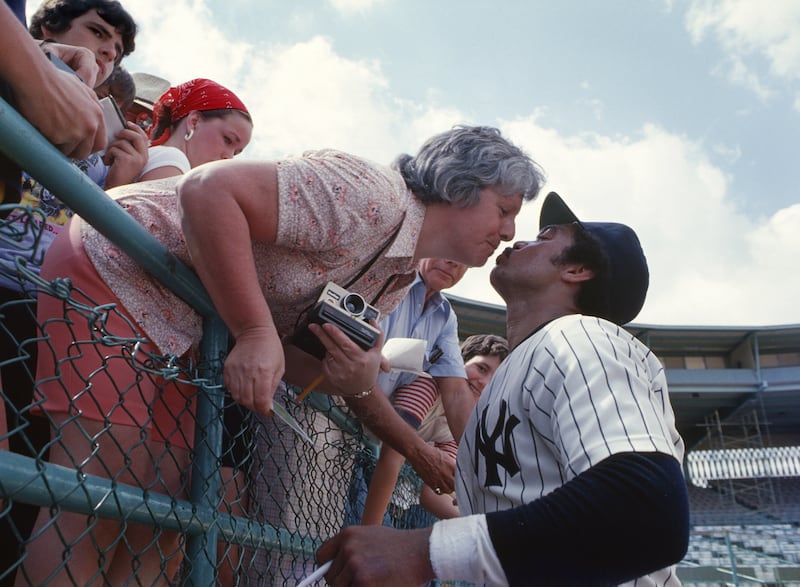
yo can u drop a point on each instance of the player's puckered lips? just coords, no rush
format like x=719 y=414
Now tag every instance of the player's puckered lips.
x=628 y=273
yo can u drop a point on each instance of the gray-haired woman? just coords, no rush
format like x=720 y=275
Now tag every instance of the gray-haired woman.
x=265 y=238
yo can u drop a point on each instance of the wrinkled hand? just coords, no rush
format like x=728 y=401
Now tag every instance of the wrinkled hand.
x=127 y=156
x=347 y=367
x=436 y=468
x=254 y=368
x=377 y=555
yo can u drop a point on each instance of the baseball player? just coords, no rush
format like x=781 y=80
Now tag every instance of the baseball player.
x=569 y=471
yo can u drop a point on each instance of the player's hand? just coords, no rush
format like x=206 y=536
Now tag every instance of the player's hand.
x=347 y=367
x=127 y=156
x=377 y=555
x=254 y=368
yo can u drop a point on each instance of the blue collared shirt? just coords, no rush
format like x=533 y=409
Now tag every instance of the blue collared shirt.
x=437 y=325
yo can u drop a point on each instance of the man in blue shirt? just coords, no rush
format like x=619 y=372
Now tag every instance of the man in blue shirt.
x=423 y=314
x=426 y=314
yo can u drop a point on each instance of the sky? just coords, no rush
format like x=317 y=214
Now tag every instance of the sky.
x=679 y=118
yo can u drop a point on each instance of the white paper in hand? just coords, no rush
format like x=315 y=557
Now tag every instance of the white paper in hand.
x=406 y=354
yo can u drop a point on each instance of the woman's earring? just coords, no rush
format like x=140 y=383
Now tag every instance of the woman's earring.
x=188 y=136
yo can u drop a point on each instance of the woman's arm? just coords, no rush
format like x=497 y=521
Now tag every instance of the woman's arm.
x=225 y=206
x=161 y=173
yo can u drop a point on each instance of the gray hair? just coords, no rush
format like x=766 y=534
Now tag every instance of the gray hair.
x=455 y=165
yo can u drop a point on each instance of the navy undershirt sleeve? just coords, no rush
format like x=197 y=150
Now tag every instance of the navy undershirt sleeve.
x=624 y=518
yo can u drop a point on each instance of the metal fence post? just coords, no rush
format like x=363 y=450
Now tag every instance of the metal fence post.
x=205 y=484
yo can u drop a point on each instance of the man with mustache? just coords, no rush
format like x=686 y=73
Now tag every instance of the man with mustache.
x=569 y=470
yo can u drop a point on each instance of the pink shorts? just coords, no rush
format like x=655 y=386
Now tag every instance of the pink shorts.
x=100 y=367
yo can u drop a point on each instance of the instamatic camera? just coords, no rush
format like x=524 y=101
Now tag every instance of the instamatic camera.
x=347 y=310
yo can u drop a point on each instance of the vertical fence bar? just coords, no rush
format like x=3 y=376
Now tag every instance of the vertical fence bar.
x=732 y=557
x=205 y=483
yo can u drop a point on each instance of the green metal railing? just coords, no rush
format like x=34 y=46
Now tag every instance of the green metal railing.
x=296 y=495
x=48 y=485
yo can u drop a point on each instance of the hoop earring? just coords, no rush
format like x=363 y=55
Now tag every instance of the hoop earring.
x=188 y=136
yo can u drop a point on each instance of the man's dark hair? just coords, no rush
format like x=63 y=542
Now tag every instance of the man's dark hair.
x=592 y=297
x=57 y=15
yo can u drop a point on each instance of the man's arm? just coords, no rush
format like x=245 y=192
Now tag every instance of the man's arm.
x=458 y=401
x=377 y=413
x=377 y=555
x=623 y=518
x=64 y=109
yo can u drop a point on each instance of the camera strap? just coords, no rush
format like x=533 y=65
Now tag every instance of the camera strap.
x=363 y=270
x=372 y=262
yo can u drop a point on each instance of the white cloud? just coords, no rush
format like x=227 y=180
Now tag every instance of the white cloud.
x=183 y=42
x=729 y=154
x=354 y=6
x=301 y=96
x=739 y=73
x=710 y=264
x=308 y=96
x=594 y=105
x=750 y=30
x=707 y=260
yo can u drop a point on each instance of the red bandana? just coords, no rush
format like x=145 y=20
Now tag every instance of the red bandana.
x=196 y=94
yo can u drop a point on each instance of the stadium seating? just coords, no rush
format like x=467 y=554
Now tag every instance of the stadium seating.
x=735 y=544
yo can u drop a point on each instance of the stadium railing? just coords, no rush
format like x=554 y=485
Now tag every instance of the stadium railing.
x=257 y=500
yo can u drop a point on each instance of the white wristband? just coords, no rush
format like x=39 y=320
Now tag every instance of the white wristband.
x=461 y=550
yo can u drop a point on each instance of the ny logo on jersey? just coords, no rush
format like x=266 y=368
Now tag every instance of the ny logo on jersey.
x=486 y=445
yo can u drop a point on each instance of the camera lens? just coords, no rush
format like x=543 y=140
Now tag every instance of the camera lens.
x=354 y=304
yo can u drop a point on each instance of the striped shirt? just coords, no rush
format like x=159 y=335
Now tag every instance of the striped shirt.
x=575 y=392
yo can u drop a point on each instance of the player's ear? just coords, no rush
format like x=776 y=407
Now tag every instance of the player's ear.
x=576 y=273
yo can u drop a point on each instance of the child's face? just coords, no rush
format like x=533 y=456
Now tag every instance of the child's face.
x=480 y=369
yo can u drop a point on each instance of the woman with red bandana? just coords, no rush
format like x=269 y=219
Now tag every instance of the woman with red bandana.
x=194 y=123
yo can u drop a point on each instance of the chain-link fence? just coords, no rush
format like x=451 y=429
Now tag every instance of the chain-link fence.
x=147 y=473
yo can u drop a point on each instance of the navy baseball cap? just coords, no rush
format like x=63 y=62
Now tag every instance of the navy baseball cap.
x=628 y=273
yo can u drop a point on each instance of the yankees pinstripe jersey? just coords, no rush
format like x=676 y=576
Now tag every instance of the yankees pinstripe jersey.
x=575 y=392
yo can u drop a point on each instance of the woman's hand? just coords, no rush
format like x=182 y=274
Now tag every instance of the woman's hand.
x=348 y=369
x=254 y=368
